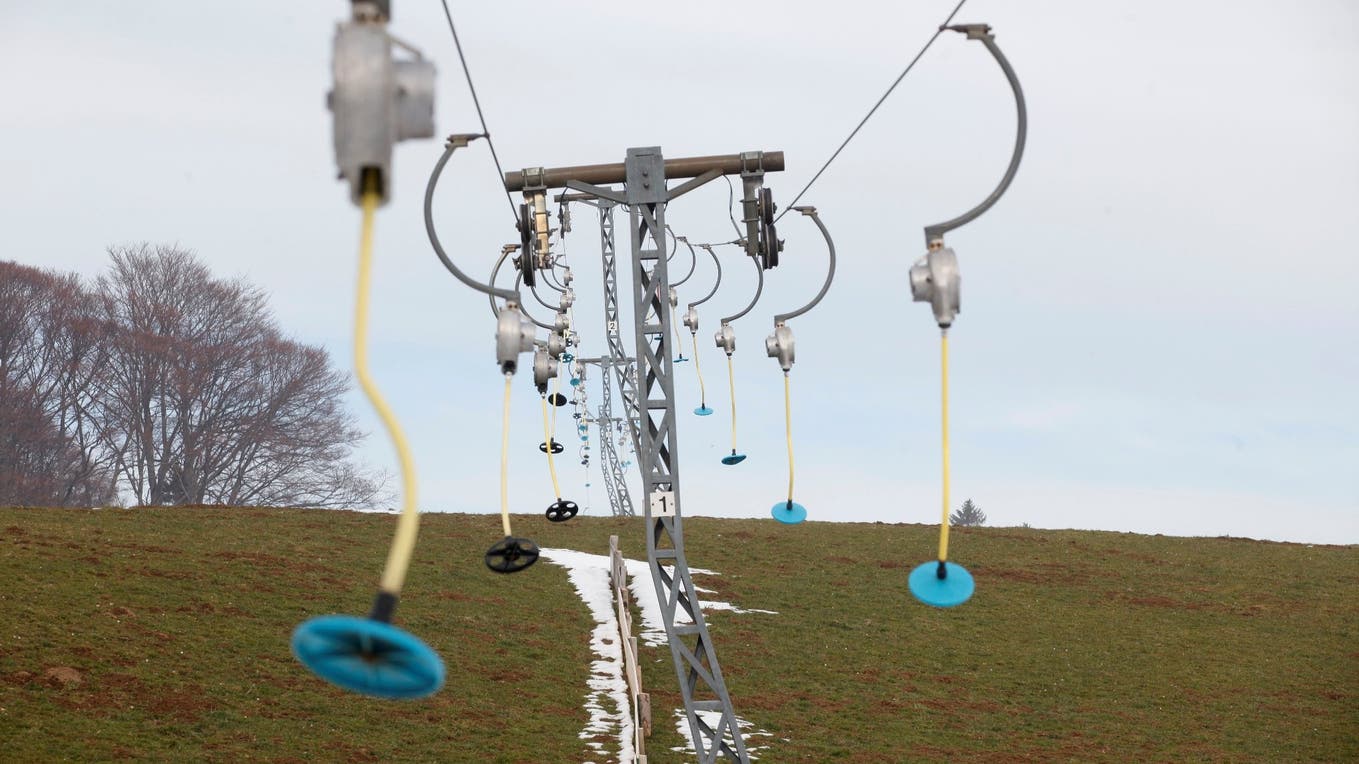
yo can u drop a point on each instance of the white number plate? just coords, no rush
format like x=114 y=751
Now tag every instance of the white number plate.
x=663 y=504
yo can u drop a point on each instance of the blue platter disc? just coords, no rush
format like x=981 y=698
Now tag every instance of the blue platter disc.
x=954 y=589
x=789 y=515
x=703 y=411
x=731 y=459
x=368 y=656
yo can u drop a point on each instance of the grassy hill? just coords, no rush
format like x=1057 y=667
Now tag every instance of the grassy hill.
x=162 y=634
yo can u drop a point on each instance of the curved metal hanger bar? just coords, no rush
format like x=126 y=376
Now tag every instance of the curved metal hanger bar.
x=539 y=298
x=519 y=276
x=716 y=283
x=830 y=272
x=759 y=288
x=551 y=280
x=983 y=32
x=495 y=273
x=693 y=258
x=454 y=143
x=504 y=253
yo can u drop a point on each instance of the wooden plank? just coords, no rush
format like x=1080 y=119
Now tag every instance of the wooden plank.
x=632 y=672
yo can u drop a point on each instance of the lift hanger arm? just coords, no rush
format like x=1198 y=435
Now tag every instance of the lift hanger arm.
x=524 y=308
x=551 y=280
x=983 y=32
x=693 y=258
x=454 y=143
x=716 y=283
x=504 y=253
x=759 y=288
x=830 y=272
x=539 y=298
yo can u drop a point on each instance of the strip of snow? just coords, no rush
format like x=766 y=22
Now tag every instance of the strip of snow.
x=730 y=608
x=652 y=633
x=607 y=702
x=712 y=718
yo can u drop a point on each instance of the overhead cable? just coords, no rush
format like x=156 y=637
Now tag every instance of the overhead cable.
x=500 y=173
x=863 y=121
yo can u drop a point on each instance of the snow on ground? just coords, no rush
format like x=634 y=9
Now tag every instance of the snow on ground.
x=607 y=700
x=725 y=606
x=712 y=718
x=652 y=632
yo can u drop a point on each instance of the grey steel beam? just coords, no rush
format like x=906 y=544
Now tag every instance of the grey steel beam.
x=686 y=167
x=700 y=676
x=624 y=373
x=615 y=476
x=615 y=482
x=620 y=501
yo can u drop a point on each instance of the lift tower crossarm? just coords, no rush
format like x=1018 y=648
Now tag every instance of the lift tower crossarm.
x=598 y=174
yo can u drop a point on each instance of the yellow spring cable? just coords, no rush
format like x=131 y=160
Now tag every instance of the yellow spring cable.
x=408 y=525
x=788 y=431
x=505 y=461
x=698 y=368
x=555 y=382
x=679 y=341
x=943 y=365
x=731 y=383
x=547 y=434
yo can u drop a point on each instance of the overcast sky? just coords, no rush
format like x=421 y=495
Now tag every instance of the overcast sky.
x=1160 y=330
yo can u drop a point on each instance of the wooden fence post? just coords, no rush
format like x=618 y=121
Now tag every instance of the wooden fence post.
x=622 y=600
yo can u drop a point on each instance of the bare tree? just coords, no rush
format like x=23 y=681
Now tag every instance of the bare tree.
x=50 y=350
x=206 y=402
x=33 y=455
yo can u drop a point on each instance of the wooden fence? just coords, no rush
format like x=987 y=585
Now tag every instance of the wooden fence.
x=622 y=601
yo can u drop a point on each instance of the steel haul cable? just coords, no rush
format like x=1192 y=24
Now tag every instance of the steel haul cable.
x=500 y=173
x=871 y=111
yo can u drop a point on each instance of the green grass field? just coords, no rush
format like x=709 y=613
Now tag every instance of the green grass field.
x=162 y=634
